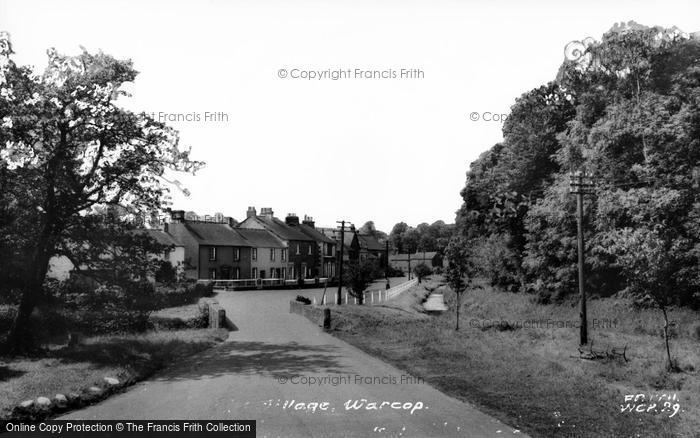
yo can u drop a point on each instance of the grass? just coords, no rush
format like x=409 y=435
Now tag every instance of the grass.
x=127 y=358
x=527 y=377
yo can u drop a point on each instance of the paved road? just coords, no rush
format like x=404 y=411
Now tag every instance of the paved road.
x=261 y=372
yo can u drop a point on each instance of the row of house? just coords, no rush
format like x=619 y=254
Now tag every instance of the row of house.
x=261 y=248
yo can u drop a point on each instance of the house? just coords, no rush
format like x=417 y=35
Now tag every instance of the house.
x=326 y=247
x=214 y=251
x=266 y=254
x=371 y=249
x=60 y=267
x=401 y=261
x=351 y=243
x=301 y=252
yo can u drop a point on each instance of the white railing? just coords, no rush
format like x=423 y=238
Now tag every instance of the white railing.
x=259 y=282
x=380 y=296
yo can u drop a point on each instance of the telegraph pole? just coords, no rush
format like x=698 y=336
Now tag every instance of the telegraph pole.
x=409 y=262
x=581 y=184
x=339 y=298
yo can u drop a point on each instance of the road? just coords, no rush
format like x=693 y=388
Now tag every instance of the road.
x=279 y=369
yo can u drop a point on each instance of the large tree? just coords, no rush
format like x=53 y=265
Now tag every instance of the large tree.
x=67 y=147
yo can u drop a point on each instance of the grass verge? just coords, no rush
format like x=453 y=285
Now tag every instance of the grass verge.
x=128 y=358
x=527 y=376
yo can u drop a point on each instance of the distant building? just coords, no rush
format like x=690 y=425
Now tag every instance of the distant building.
x=266 y=254
x=214 y=251
x=61 y=268
x=302 y=253
x=371 y=249
x=326 y=247
x=401 y=261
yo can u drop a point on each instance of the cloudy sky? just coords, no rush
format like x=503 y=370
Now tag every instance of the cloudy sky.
x=358 y=148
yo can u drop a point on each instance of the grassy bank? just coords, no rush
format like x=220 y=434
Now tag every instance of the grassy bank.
x=526 y=376
x=128 y=358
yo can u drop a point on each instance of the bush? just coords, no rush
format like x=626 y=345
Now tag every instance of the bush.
x=391 y=271
x=303 y=299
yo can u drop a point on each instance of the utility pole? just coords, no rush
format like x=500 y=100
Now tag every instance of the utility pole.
x=581 y=184
x=409 y=262
x=339 y=298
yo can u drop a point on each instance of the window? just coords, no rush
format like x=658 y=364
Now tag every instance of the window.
x=255 y=253
x=284 y=254
x=298 y=249
x=291 y=272
x=212 y=274
x=255 y=272
x=237 y=273
x=284 y=273
x=236 y=254
x=212 y=253
x=272 y=254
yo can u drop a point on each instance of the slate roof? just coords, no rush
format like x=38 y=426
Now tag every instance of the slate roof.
x=283 y=230
x=210 y=233
x=160 y=236
x=260 y=238
x=315 y=234
x=370 y=242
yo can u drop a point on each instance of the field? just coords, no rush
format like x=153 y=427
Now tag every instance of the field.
x=530 y=375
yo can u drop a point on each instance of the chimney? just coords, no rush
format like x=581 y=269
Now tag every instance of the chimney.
x=230 y=221
x=251 y=212
x=309 y=221
x=267 y=212
x=292 y=219
x=177 y=216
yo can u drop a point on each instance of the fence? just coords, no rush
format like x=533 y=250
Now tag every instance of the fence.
x=262 y=283
x=370 y=297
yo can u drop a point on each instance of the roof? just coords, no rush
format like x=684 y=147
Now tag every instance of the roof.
x=370 y=242
x=283 y=230
x=315 y=234
x=260 y=238
x=160 y=236
x=215 y=234
x=417 y=256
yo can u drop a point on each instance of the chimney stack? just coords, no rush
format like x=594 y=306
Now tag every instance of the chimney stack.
x=177 y=216
x=309 y=221
x=292 y=219
x=267 y=212
x=251 y=212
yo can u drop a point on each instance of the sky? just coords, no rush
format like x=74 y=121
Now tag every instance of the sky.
x=249 y=85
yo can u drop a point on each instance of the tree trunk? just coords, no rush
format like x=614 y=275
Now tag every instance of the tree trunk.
x=668 y=350
x=361 y=298
x=458 y=301
x=20 y=338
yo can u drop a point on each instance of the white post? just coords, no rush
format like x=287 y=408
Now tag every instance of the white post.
x=372 y=295
x=355 y=300
x=314 y=300
x=346 y=297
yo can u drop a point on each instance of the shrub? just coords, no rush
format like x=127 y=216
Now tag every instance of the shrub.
x=303 y=299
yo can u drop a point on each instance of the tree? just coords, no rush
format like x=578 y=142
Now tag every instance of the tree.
x=459 y=272
x=422 y=270
x=647 y=258
x=396 y=236
x=358 y=277
x=66 y=147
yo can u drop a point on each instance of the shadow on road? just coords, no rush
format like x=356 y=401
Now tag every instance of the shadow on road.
x=258 y=358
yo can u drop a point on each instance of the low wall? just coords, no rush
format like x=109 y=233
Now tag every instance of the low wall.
x=217 y=314
x=317 y=315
